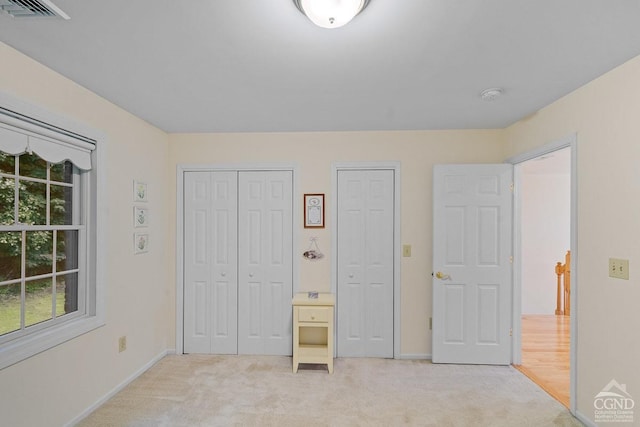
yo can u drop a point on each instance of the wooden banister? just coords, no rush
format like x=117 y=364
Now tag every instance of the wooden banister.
x=563 y=296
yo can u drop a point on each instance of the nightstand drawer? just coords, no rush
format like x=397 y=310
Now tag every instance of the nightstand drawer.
x=313 y=314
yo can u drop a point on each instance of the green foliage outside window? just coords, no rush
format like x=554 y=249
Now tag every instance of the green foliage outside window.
x=38 y=245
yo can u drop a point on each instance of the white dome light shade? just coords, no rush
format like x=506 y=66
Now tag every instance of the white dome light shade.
x=331 y=13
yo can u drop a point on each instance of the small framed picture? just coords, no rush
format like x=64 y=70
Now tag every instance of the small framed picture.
x=140 y=191
x=140 y=217
x=314 y=211
x=140 y=243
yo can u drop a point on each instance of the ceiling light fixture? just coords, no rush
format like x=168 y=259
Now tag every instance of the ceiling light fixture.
x=331 y=13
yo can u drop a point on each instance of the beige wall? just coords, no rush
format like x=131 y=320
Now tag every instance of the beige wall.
x=606 y=116
x=314 y=153
x=54 y=387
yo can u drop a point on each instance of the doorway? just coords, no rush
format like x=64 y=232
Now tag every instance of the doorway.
x=515 y=332
x=545 y=201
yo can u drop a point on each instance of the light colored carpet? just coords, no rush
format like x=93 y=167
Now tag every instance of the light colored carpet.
x=199 y=390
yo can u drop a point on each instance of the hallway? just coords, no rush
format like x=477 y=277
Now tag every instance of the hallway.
x=545 y=353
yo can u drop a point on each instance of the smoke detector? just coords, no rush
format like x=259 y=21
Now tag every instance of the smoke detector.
x=31 y=9
x=491 y=94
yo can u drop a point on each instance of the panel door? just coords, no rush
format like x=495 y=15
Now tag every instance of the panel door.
x=210 y=262
x=265 y=251
x=472 y=281
x=365 y=263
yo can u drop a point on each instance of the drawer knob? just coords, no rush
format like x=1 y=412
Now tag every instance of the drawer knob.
x=313 y=317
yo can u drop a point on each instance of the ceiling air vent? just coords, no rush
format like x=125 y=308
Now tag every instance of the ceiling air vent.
x=31 y=9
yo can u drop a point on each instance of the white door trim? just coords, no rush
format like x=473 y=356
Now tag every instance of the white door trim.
x=572 y=142
x=395 y=166
x=213 y=167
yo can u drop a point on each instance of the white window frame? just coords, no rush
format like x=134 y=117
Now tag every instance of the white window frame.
x=41 y=121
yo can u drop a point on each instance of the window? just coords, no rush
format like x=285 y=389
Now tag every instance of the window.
x=39 y=239
x=49 y=290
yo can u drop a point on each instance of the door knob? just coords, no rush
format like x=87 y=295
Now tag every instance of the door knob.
x=440 y=275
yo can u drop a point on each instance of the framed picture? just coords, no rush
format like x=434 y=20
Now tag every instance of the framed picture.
x=140 y=217
x=314 y=211
x=140 y=243
x=140 y=191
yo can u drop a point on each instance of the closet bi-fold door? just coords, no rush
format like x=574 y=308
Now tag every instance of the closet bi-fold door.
x=265 y=251
x=238 y=275
x=210 y=262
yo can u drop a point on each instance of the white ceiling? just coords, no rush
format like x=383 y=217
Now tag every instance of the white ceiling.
x=253 y=66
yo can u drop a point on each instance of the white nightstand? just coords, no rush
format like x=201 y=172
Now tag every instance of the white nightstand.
x=313 y=330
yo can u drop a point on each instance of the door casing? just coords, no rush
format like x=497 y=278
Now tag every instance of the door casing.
x=570 y=141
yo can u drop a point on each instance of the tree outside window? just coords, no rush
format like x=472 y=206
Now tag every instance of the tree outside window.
x=38 y=241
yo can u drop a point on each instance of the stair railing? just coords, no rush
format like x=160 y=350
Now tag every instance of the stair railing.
x=563 y=297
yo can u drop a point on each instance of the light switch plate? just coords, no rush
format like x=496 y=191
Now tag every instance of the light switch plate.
x=619 y=268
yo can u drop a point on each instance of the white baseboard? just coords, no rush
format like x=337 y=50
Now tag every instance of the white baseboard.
x=415 y=356
x=584 y=420
x=118 y=388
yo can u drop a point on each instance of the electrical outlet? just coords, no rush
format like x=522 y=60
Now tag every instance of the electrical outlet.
x=122 y=344
x=406 y=250
x=619 y=268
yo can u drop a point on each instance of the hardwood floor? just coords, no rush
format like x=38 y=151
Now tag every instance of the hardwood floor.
x=545 y=353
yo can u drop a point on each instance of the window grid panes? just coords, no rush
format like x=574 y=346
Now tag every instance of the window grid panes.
x=40 y=231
